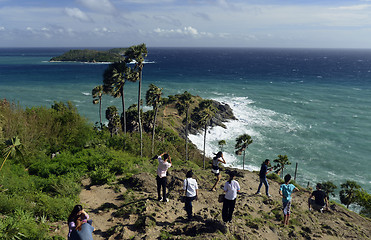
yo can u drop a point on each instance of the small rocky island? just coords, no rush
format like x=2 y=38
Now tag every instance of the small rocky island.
x=87 y=55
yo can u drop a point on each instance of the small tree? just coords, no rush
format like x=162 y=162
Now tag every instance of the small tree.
x=348 y=193
x=281 y=161
x=221 y=144
x=183 y=104
x=113 y=120
x=242 y=142
x=153 y=98
x=329 y=188
x=97 y=99
x=202 y=115
x=364 y=200
x=12 y=147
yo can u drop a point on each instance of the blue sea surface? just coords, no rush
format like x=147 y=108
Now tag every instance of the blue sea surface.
x=312 y=105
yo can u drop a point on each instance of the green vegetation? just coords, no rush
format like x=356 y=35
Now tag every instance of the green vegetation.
x=86 y=55
x=59 y=148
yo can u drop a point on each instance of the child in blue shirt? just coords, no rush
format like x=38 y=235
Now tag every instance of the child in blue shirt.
x=286 y=190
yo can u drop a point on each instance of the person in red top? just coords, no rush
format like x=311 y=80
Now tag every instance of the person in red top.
x=164 y=163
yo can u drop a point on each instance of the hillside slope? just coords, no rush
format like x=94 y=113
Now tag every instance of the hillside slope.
x=129 y=210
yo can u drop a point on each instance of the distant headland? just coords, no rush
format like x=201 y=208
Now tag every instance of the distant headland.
x=87 y=55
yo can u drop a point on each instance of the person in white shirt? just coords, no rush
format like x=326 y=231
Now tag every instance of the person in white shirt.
x=164 y=163
x=190 y=188
x=231 y=188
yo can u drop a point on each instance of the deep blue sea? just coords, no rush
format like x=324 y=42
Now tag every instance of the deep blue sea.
x=314 y=105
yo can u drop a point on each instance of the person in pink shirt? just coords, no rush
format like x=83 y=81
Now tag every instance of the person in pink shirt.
x=164 y=163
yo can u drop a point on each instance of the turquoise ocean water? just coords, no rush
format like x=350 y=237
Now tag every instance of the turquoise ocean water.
x=311 y=104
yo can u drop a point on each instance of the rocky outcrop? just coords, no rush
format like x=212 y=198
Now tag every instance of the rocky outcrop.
x=223 y=114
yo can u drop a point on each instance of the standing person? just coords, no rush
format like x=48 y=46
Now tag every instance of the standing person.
x=83 y=231
x=164 y=162
x=190 y=188
x=263 y=177
x=286 y=190
x=231 y=188
x=215 y=168
x=320 y=199
x=77 y=212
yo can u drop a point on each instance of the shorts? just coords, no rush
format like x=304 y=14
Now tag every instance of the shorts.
x=215 y=170
x=286 y=208
x=315 y=206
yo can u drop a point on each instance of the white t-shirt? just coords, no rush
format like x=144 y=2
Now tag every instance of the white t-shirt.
x=231 y=189
x=191 y=188
x=162 y=167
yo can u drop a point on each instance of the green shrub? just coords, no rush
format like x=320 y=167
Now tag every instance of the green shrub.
x=101 y=175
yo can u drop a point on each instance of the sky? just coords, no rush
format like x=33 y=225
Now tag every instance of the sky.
x=186 y=23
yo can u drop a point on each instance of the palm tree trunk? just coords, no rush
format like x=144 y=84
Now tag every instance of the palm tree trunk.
x=5 y=159
x=205 y=144
x=186 y=135
x=243 y=162
x=153 y=131
x=100 y=113
x=123 y=111
x=139 y=119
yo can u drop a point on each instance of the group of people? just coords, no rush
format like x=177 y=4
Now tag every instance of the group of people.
x=80 y=227
x=319 y=203
x=232 y=188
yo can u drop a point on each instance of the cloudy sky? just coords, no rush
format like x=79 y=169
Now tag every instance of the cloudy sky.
x=186 y=23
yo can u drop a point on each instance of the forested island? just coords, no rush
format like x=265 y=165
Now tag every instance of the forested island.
x=53 y=158
x=87 y=55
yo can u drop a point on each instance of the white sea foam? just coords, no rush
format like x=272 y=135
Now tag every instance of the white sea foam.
x=86 y=93
x=250 y=119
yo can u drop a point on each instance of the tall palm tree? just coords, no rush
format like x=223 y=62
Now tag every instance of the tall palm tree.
x=153 y=98
x=242 y=142
x=97 y=98
x=12 y=147
x=202 y=116
x=114 y=78
x=281 y=161
x=183 y=104
x=137 y=53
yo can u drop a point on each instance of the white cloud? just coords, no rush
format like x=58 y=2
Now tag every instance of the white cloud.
x=186 y=31
x=2 y=28
x=77 y=13
x=353 y=7
x=149 y=1
x=98 y=5
x=103 y=30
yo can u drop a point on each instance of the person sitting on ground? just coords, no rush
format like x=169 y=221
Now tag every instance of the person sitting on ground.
x=190 y=188
x=263 y=177
x=161 y=179
x=83 y=231
x=77 y=212
x=215 y=168
x=320 y=199
x=286 y=190
x=231 y=188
